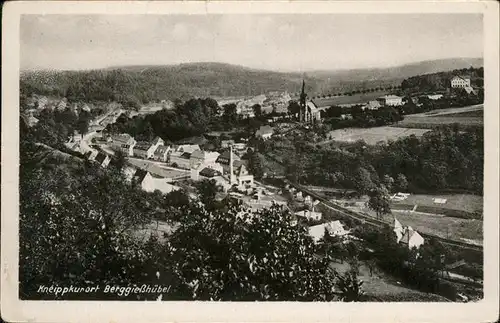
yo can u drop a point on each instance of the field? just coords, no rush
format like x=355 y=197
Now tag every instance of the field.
x=373 y=135
x=465 y=229
x=465 y=202
x=346 y=99
x=379 y=286
x=433 y=122
x=466 y=116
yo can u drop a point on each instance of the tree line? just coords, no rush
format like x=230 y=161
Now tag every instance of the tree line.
x=445 y=158
x=441 y=81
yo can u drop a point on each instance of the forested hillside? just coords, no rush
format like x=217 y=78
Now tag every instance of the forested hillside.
x=144 y=84
x=441 y=81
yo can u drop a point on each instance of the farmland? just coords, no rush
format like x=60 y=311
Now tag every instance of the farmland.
x=467 y=116
x=348 y=99
x=468 y=230
x=373 y=135
x=465 y=202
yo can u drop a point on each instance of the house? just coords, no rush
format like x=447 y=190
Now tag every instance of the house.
x=161 y=153
x=390 y=100
x=334 y=228
x=398 y=230
x=127 y=149
x=86 y=108
x=157 y=142
x=243 y=176
x=310 y=215
x=144 y=150
x=180 y=160
x=203 y=172
x=239 y=146
x=434 y=96
x=460 y=81
x=103 y=159
x=308 y=200
x=122 y=139
x=264 y=132
x=32 y=121
x=407 y=236
x=411 y=238
x=226 y=143
x=203 y=157
x=151 y=183
x=61 y=105
x=372 y=105
x=185 y=148
x=470 y=90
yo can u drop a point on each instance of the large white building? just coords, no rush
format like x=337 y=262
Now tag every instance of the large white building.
x=407 y=236
x=391 y=100
x=460 y=82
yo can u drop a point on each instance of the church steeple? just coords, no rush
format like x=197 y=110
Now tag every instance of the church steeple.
x=303 y=97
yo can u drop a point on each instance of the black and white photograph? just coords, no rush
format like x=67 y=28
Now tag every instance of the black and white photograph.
x=263 y=157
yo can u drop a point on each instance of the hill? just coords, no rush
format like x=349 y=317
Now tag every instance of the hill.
x=143 y=84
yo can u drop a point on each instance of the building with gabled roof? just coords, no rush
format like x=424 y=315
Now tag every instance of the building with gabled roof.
x=161 y=153
x=310 y=215
x=411 y=238
x=459 y=81
x=334 y=228
x=264 y=132
x=144 y=150
x=151 y=183
x=103 y=159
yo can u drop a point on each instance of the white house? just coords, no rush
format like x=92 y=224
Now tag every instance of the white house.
x=151 y=183
x=372 y=105
x=390 y=100
x=144 y=150
x=334 y=228
x=412 y=238
x=128 y=149
x=101 y=158
x=264 y=132
x=161 y=153
x=123 y=139
x=460 y=81
x=435 y=96
x=243 y=176
x=407 y=236
x=309 y=215
x=203 y=157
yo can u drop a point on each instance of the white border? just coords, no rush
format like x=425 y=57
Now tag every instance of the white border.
x=14 y=310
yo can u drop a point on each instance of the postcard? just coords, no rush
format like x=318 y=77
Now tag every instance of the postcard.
x=189 y=161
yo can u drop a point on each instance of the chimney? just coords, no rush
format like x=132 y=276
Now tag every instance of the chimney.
x=231 y=173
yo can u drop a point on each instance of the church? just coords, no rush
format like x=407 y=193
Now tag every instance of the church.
x=309 y=112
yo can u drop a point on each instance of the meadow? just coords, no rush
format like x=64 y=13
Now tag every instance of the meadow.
x=373 y=135
x=358 y=98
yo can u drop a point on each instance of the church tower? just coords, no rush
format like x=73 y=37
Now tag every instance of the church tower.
x=303 y=98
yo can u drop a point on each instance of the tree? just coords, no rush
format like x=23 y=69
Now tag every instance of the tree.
x=362 y=181
x=230 y=254
x=401 y=182
x=119 y=160
x=349 y=286
x=255 y=165
x=379 y=201
x=229 y=115
x=207 y=190
x=257 y=110
x=293 y=108
x=388 y=182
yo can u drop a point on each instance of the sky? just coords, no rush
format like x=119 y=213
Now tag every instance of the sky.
x=273 y=42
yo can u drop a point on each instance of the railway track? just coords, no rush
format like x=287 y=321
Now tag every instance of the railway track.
x=378 y=223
